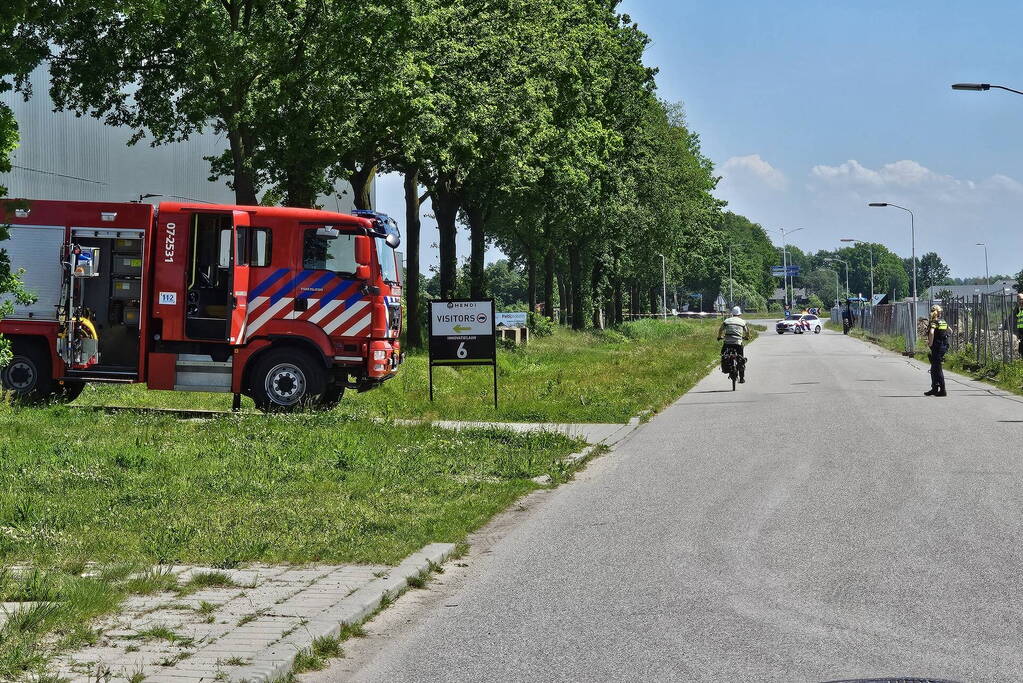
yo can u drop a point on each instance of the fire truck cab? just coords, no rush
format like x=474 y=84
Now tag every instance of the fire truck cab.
x=287 y=306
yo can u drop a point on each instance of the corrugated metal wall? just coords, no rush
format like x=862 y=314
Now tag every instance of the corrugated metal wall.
x=62 y=156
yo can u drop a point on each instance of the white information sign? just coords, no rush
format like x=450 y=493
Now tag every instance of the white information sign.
x=511 y=319
x=461 y=318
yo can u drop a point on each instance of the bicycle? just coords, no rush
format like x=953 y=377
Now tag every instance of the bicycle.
x=731 y=362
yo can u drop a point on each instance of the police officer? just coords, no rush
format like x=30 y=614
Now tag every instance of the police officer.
x=937 y=340
x=1019 y=322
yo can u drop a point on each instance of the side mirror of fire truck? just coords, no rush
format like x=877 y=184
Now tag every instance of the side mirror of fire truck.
x=363 y=256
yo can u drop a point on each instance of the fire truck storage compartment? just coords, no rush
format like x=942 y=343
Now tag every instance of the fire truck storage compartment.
x=113 y=297
x=37 y=249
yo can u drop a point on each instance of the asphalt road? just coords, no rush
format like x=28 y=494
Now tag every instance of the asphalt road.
x=825 y=521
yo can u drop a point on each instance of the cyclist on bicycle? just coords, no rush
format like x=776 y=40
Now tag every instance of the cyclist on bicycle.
x=735 y=331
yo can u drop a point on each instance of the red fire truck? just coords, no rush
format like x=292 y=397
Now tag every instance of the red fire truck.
x=287 y=306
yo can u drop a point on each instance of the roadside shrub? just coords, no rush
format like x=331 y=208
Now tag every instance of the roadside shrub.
x=610 y=336
x=651 y=329
x=540 y=325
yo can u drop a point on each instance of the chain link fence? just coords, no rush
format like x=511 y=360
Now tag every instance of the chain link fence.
x=984 y=325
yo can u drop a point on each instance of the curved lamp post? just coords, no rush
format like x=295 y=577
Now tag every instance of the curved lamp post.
x=785 y=263
x=912 y=229
x=871 y=248
x=987 y=273
x=846 y=264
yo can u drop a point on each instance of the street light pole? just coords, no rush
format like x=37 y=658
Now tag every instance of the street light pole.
x=912 y=229
x=731 y=297
x=838 y=300
x=982 y=86
x=871 y=248
x=987 y=273
x=784 y=261
x=846 y=263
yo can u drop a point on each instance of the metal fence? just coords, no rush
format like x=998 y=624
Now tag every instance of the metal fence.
x=983 y=324
x=894 y=320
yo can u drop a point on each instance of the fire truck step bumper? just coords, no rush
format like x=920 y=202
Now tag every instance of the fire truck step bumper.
x=193 y=374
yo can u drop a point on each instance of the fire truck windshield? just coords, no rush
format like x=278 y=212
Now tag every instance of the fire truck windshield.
x=388 y=262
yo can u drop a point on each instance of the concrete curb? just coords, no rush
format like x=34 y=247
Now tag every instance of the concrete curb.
x=577 y=459
x=277 y=660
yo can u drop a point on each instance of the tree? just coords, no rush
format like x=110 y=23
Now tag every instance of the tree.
x=20 y=53
x=275 y=78
x=932 y=271
x=821 y=283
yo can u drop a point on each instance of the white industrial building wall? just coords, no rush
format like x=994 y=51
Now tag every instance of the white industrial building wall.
x=61 y=156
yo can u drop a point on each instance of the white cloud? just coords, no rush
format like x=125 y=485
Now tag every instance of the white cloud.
x=909 y=180
x=753 y=167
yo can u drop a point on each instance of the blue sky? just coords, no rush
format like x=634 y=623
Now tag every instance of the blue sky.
x=811 y=109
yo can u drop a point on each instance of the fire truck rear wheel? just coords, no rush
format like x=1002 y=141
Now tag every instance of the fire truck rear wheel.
x=286 y=380
x=28 y=374
x=68 y=391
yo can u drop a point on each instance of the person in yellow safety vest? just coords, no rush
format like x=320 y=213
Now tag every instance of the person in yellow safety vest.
x=1019 y=321
x=937 y=340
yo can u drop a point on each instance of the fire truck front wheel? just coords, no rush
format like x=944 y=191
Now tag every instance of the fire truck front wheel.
x=286 y=380
x=332 y=395
x=27 y=376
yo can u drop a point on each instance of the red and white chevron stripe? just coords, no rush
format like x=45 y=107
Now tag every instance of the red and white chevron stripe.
x=333 y=317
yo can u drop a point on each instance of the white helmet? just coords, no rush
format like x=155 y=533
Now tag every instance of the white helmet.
x=736 y=310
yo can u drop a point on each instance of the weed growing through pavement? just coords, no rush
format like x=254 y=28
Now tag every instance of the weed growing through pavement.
x=202 y=580
x=314 y=658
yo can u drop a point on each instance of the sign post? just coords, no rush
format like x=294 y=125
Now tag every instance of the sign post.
x=462 y=333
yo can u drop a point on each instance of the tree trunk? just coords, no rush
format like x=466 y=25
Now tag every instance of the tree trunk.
x=299 y=190
x=548 y=284
x=653 y=300
x=619 y=302
x=414 y=333
x=609 y=306
x=477 y=250
x=362 y=183
x=595 y=276
x=531 y=279
x=575 y=261
x=564 y=302
x=445 y=208
x=633 y=298
x=244 y=179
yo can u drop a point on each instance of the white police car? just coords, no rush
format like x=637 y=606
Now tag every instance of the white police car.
x=798 y=323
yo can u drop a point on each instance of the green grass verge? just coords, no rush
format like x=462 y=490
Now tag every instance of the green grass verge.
x=593 y=376
x=132 y=490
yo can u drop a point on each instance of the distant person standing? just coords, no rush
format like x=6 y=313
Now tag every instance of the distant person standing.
x=937 y=340
x=847 y=318
x=1019 y=322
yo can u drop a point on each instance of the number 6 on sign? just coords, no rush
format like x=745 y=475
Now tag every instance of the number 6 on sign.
x=461 y=352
